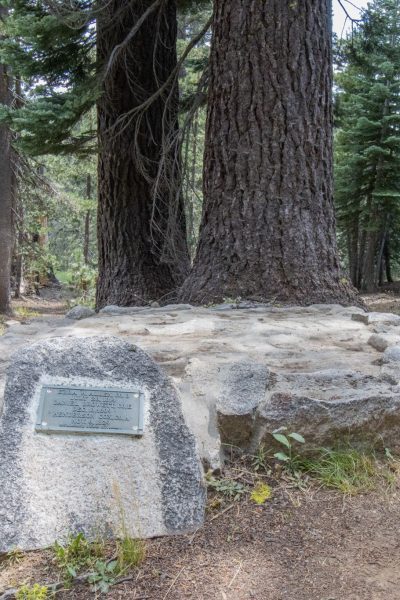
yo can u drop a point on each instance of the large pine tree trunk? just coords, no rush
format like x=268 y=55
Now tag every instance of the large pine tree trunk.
x=268 y=227
x=142 y=239
x=6 y=233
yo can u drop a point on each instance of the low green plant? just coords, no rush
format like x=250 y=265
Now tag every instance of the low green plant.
x=36 y=592
x=287 y=454
x=131 y=552
x=104 y=575
x=389 y=455
x=15 y=556
x=227 y=487
x=76 y=554
x=347 y=470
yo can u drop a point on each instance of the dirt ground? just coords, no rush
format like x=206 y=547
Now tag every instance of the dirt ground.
x=303 y=544
x=312 y=544
x=54 y=301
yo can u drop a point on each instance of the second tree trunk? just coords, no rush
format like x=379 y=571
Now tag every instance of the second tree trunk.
x=268 y=228
x=141 y=227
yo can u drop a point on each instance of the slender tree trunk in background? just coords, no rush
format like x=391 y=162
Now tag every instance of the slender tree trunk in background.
x=386 y=254
x=370 y=266
x=17 y=208
x=19 y=261
x=86 y=237
x=353 y=251
x=382 y=244
x=268 y=227
x=136 y=231
x=369 y=280
x=361 y=257
x=6 y=236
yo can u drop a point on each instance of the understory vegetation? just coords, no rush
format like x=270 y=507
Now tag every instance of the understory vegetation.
x=98 y=564
x=245 y=478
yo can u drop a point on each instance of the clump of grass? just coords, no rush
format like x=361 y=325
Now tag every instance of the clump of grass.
x=131 y=552
x=347 y=470
x=25 y=313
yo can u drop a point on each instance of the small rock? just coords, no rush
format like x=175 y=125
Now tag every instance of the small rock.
x=392 y=354
x=155 y=305
x=360 y=317
x=243 y=389
x=383 y=318
x=381 y=328
x=222 y=307
x=383 y=341
x=11 y=323
x=113 y=309
x=376 y=318
x=174 y=307
x=379 y=342
x=390 y=375
x=80 y=312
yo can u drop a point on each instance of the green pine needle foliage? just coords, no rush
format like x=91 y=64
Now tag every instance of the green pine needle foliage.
x=367 y=170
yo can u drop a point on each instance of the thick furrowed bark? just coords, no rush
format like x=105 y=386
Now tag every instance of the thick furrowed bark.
x=134 y=266
x=268 y=228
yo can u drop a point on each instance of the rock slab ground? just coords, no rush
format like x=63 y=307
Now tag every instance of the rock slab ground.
x=244 y=369
x=54 y=485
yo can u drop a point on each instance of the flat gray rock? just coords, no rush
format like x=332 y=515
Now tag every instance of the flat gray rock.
x=377 y=318
x=56 y=484
x=379 y=342
x=80 y=312
x=113 y=309
x=327 y=407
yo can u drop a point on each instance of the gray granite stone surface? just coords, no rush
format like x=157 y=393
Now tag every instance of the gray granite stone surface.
x=80 y=312
x=53 y=485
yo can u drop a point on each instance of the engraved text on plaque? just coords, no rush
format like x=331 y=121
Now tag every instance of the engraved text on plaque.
x=65 y=409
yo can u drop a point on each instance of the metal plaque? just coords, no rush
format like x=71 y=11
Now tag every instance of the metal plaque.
x=64 y=409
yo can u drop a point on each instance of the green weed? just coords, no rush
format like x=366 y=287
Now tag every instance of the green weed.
x=76 y=554
x=15 y=556
x=103 y=576
x=36 y=592
x=227 y=487
x=287 y=454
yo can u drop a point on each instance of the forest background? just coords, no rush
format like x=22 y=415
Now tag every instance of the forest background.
x=55 y=188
